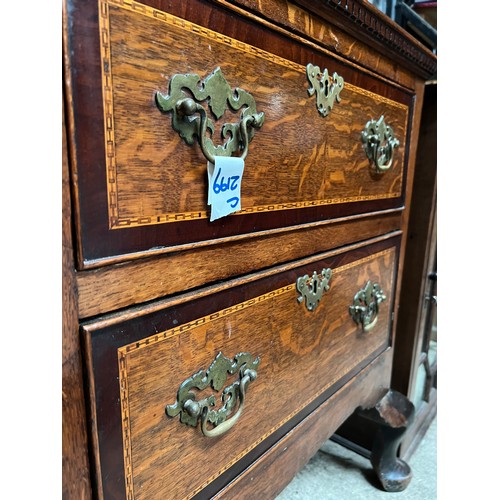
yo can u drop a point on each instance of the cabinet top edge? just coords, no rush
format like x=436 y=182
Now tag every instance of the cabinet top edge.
x=375 y=27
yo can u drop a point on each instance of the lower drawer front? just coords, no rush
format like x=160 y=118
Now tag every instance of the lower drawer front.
x=139 y=366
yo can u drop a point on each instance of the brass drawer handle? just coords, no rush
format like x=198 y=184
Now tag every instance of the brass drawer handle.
x=219 y=94
x=191 y=410
x=312 y=288
x=365 y=307
x=327 y=88
x=379 y=144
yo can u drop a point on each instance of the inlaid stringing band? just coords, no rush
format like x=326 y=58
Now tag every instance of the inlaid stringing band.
x=117 y=222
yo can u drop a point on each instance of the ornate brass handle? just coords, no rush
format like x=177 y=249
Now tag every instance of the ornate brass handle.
x=248 y=376
x=364 y=310
x=379 y=144
x=190 y=119
x=312 y=288
x=191 y=410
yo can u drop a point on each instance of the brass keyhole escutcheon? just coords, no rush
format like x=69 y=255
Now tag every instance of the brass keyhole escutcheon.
x=327 y=88
x=311 y=289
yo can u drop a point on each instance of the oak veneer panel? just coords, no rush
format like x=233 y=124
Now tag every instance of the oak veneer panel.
x=158 y=178
x=150 y=356
x=110 y=288
x=142 y=188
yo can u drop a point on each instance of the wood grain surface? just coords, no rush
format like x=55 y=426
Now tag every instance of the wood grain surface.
x=414 y=309
x=107 y=289
x=335 y=41
x=287 y=337
x=136 y=175
x=75 y=462
x=274 y=470
x=421 y=234
x=405 y=216
x=159 y=290
x=367 y=23
x=158 y=178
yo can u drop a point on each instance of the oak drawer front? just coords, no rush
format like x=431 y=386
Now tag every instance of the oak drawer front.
x=137 y=366
x=143 y=187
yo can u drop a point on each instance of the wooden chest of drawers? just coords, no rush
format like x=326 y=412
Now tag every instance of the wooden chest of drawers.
x=201 y=354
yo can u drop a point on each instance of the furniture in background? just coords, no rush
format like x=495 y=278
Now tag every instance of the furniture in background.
x=236 y=184
x=417 y=17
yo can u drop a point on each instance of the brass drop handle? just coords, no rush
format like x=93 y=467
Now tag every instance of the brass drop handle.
x=222 y=419
x=379 y=143
x=365 y=306
x=367 y=326
x=217 y=92
x=249 y=376
x=187 y=108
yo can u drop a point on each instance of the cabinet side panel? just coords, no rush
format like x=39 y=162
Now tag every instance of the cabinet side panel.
x=75 y=466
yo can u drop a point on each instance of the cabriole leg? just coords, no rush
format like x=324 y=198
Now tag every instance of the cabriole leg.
x=393 y=414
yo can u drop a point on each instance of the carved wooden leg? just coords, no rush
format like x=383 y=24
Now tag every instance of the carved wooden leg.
x=393 y=414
